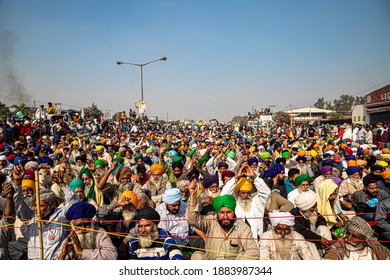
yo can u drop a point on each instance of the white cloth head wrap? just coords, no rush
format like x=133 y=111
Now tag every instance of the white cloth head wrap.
x=305 y=200
x=278 y=217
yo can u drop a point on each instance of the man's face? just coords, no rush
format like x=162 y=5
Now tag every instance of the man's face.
x=145 y=226
x=304 y=186
x=177 y=172
x=80 y=193
x=173 y=208
x=354 y=240
x=226 y=217
x=282 y=230
x=46 y=209
x=372 y=189
x=27 y=192
x=3 y=163
x=245 y=194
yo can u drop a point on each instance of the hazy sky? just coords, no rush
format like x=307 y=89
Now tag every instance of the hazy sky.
x=224 y=57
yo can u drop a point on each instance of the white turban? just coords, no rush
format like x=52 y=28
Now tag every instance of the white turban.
x=32 y=165
x=278 y=217
x=305 y=200
x=3 y=157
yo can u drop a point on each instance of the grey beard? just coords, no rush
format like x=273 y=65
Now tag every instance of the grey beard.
x=29 y=201
x=354 y=246
x=125 y=186
x=312 y=217
x=213 y=194
x=302 y=168
x=246 y=204
x=357 y=183
x=87 y=239
x=283 y=246
x=147 y=238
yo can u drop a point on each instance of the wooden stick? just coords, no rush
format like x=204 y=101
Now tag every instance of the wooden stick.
x=38 y=206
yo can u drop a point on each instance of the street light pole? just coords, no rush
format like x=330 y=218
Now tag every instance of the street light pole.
x=164 y=58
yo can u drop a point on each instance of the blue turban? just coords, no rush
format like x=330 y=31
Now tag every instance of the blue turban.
x=352 y=170
x=23 y=160
x=76 y=184
x=208 y=181
x=172 y=196
x=172 y=153
x=80 y=149
x=147 y=160
x=81 y=210
x=301 y=158
x=327 y=162
x=351 y=157
x=46 y=159
x=252 y=161
x=222 y=164
x=274 y=170
x=326 y=155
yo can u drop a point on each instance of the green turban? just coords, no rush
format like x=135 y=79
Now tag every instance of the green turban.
x=119 y=159
x=86 y=172
x=265 y=155
x=302 y=178
x=226 y=200
x=99 y=162
x=119 y=154
x=177 y=158
x=203 y=159
x=286 y=154
x=137 y=158
x=192 y=152
x=231 y=154
x=149 y=150
x=77 y=183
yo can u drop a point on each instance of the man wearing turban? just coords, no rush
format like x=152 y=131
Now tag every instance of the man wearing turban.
x=54 y=217
x=86 y=241
x=276 y=174
x=282 y=242
x=149 y=242
x=326 y=173
x=157 y=184
x=103 y=155
x=302 y=182
x=90 y=191
x=249 y=209
x=360 y=243
x=350 y=185
x=310 y=224
x=173 y=220
x=238 y=241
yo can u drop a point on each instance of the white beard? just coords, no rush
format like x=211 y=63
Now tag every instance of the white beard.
x=312 y=217
x=354 y=246
x=283 y=245
x=213 y=194
x=246 y=204
x=128 y=216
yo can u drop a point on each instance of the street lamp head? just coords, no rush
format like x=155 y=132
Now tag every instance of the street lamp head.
x=163 y=58
x=119 y=62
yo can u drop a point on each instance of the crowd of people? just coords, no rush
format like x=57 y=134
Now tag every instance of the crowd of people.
x=132 y=189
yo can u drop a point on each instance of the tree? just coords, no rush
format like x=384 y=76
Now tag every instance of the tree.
x=344 y=104
x=320 y=103
x=359 y=100
x=4 y=110
x=93 y=111
x=282 y=117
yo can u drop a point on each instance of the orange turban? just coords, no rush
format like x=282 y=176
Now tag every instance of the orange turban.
x=131 y=196
x=329 y=147
x=352 y=163
x=385 y=151
x=361 y=162
x=386 y=174
x=157 y=168
x=301 y=153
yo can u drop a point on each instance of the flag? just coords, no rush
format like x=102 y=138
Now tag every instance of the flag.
x=290 y=134
x=82 y=113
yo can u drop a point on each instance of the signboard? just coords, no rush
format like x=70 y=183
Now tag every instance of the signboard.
x=381 y=95
x=266 y=118
x=140 y=106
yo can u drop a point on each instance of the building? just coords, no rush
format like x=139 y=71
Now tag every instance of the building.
x=359 y=114
x=309 y=115
x=378 y=104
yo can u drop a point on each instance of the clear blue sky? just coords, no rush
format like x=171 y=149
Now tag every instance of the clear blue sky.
x=224 y=57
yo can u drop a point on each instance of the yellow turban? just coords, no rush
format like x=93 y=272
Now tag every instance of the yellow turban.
x=383 y=163
x=301 y=153
x=75 y=142
x=157 y=168
x=28 y=183
x=352 y=163
x=131 y=196
x=313 y=153
x=100 y=147
x=252 y=149
x=386 y=174
x=385 y=151
x=243 y=185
